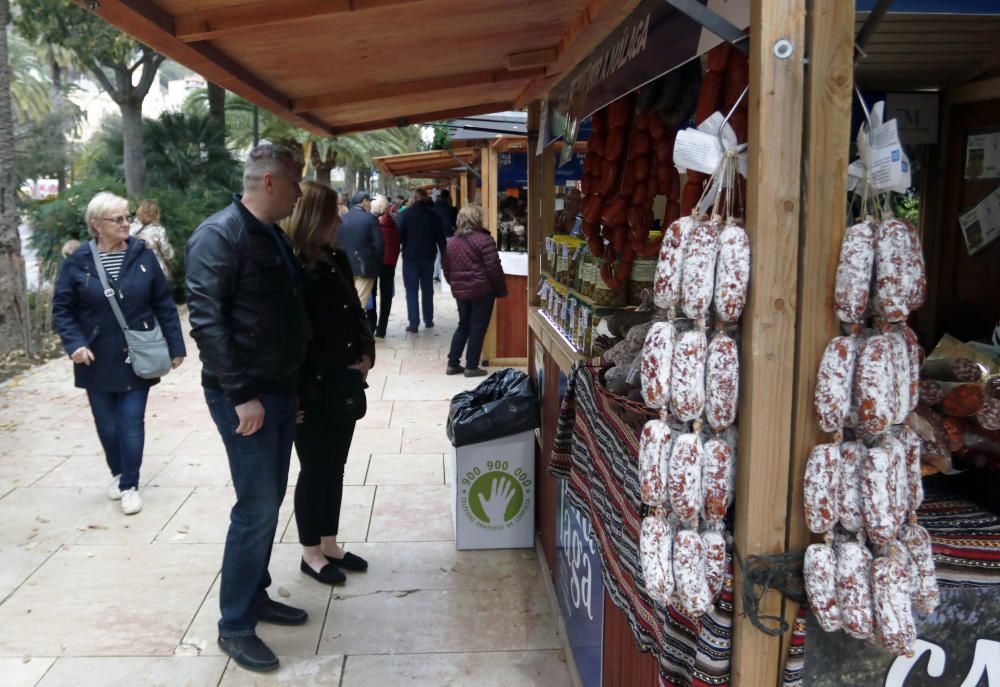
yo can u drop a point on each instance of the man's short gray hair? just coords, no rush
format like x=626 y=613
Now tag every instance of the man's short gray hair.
x=266 y=158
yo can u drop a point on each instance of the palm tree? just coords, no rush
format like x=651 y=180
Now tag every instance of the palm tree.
x=29 y=88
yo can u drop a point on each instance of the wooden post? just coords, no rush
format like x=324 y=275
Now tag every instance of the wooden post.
x=824 y=218
x=548 y=208
x=463 y=185
x=490 y=210
x=535 y=233
x=768 y=346
x=453 y=190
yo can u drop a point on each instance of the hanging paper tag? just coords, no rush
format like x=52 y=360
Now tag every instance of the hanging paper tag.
x=697 y=150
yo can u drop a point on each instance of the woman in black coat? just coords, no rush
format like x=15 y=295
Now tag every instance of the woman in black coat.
x=332 y=396
x=94 y=340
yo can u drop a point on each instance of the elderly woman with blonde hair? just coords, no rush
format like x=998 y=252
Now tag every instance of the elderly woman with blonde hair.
x=148 y=228
x=386 y=282
x=471 y=265
x=83 y=316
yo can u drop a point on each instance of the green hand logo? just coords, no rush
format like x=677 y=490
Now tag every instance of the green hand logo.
x=495 y=498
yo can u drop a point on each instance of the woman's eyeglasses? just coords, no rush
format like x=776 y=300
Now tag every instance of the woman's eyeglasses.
x=120 y=219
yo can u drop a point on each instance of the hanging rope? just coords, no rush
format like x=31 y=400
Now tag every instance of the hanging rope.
x=781 y=572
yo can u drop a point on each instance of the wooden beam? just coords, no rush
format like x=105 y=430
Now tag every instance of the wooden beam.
x=977 y=91
x=387 y=123
x=394 y=90
x=532 y=58
x=824 y=218
x=768 y=345
x=206 y=25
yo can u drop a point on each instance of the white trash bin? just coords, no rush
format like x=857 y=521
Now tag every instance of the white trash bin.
x=493 y=493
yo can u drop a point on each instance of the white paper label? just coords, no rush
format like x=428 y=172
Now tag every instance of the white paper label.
x=981 y=224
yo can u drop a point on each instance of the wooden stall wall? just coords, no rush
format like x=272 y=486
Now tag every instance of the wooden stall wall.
x=546 y=498
x=623 y=665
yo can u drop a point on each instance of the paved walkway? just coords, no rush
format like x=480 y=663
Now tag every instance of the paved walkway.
x=89 y=596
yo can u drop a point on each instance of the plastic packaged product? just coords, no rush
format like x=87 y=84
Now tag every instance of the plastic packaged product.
x=642 y=277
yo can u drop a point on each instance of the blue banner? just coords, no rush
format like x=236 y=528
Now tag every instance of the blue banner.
x=513 y=170
x=936 y=6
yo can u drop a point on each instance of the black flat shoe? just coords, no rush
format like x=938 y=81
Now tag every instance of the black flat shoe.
x=454 y=370
x=475 y=372
x=349 y=562
x=429 y=325
x=278 y=613
x=330 y=574
x=250 y=652
x=411 y=329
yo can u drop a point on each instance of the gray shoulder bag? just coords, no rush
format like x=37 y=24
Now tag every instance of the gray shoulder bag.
x=147 y=350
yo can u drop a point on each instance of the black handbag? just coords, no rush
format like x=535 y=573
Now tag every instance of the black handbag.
x=344 y=396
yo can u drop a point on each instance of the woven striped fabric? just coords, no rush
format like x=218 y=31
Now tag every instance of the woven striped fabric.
x=604 y=484
x=562 y=448
x=966 y=543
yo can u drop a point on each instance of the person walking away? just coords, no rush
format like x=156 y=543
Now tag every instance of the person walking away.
x=472 y=267
x=248 y=318
x=361 y=239
x=91 y=335
x=447 y=215
x=421 y=235
x=148 y=228
x=332 y=384
x=385 y=288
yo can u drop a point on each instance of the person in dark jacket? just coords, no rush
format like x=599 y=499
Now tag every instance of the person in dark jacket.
x=472 y=267
x=386 y=285
x=93 y=339
x=331 y=391
x=447 y=214
x=361 y=240
x=421 y=236
x=248 y=317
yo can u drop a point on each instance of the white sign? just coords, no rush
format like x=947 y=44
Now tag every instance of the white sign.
x=982 y=156
x=916 y=115
x=981 y=224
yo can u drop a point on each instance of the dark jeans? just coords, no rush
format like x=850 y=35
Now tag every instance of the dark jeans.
x=385 y=285
x=322 y=448
x=259 y=467
x=419 y=274
x=120 y=417
x=473 y=319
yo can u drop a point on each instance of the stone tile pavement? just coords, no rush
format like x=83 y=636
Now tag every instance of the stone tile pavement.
x=89 y=596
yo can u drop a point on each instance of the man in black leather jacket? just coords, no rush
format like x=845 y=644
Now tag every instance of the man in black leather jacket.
x=248 y=318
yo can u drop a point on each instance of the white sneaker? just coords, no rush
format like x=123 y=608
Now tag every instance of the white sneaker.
x=114 y=493
x=131 y=501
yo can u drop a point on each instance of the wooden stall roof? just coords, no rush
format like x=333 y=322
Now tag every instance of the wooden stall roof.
x=929 y=51
x=432 y=164
x=335 y=66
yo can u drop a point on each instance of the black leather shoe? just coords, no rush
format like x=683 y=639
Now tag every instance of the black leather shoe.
x=349 y=562
x=454 y=370
x=330 y=574
x=475 y=372
x=411 y=329
x=277 y=613
x=250 y=652
x=429 y=325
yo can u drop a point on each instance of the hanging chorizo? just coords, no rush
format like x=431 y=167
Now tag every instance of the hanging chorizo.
x=854 y=272
x=733 y=275
x=698 y=270
x=691 y=592
x=819 y=570
x=684 y=477
x=820 y=487
x=657 y=358
x=722 y=382
x=687 y=375
x=834 y=383
x=854 y=592
x=655 y=548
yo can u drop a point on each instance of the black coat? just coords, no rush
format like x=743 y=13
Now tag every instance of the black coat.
x=83 y=317
x=246 y=307
x=360 y=236
x=447 y=214
x=421 y=233
x=341 y=334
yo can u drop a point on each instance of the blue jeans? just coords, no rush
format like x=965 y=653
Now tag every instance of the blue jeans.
x=259 y=466
x=419 y=274
x=473 y=320
x=120 y=417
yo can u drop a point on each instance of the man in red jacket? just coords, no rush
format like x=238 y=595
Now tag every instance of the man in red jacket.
x=472 y=267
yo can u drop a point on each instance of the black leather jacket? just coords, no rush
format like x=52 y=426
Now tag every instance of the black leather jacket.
x=247 y=312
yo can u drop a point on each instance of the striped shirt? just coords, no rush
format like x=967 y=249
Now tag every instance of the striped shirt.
x=112 y=263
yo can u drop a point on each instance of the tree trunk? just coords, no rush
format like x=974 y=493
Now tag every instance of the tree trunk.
x=135 y=161
x=323 y=169
x=59 y=105
x=14 y=329
x=217 y=104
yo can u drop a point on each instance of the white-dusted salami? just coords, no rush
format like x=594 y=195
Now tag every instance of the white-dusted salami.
x=894 y=624
x=914 y=478
x=877 y=495
x=899 y=480
x=717 y=472
x=698 y=280
x=913 y=354
x=988 y=416
x=893 y=279
x=655 y=549
x=819 y=569
x=691 y=592
x=722 y=381
x=874 y=385
x=733 y=273
x=915 y=269
x=854 y=272
x=898 y=552
x=901 y=376
x=834 y=383
x=714 y=544
x=654 y=461
x=669 y=267
x=687 y=375
x=684 y=478
x=918 y=542
x=657 y=358
x=821 y=485
x=849 y=508
x=854 y=592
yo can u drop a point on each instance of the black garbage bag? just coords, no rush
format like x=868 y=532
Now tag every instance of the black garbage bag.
x=502 y=405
